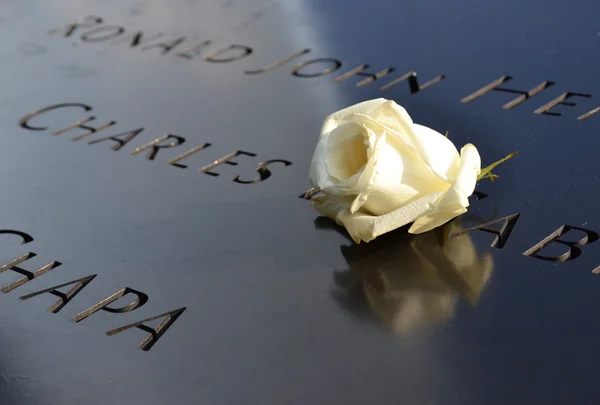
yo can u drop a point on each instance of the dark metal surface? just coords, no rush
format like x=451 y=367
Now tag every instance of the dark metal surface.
x=281 y=309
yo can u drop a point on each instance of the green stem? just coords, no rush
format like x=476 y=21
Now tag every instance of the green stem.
x=486 y=173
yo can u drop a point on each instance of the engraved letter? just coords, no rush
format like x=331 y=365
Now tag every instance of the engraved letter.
x=278 y=63
x=525 y=95
x=129 y=135
x=413 y=82
x=155 y=145
x=224 y=159
x=26 y=238
x=103 y=305
x=336 y=65
x=479 y=195
x=84 y=22
x=165 y=46
x=589 y=114
x=81 y=124
x=308 y=194
x=262 y=170
x=64 y=297
x=192 y=51
x=359 y=71
x=560 y=100
x=154 y=333
x=24 y=122
x=114 y=31
x=28 y=276
x=186 y=154
x=574 y=248
x=137 y=39
x=245 y=51
x=502 y=234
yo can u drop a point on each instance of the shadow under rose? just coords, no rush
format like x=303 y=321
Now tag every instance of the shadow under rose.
x=406 y=281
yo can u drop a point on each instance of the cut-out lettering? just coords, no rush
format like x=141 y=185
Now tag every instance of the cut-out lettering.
x=27 y=275
x=85 y=22
x=137 y=39
x=334 y=64
x=82 y=125
x=154 y=333
x=24 y=122
x=360 y=71
x=574 y=247
x=279 y=63
x=186 y=154
x=502 y=234
x=25 y=237
x=308 y=194
x=139 y=301
x=104 y=33
x=262 y=171
x=479 y=195
x=413 y=83
x=165 y=46
x=494 y=86
x=73 y=125
x=238 y=51
x=225 y=159
x=156 y=145
x=64 y=298
x=189 y=53
x=560 y=100
x=121 y=139
x=589 y=114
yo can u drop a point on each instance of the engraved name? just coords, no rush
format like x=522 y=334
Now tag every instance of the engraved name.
x=67 y=291
x=152 y=148
x=92 y=29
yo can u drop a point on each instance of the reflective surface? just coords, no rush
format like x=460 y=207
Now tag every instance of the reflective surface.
x=276 y=312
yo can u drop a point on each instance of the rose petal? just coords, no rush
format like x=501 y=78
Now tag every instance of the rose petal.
x=456 y=200
x=401 y=135
x=470 y=167
x=388 y=190
x=343 y=139
x=431 y=221
x=328 y=206
x=317 y=174
x=366 y=227
x=334 y=120
x=394 y=117
x=368 y=177
x=437 y=151
x=400 y=178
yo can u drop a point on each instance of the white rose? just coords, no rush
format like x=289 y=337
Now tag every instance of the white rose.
x=379 y=171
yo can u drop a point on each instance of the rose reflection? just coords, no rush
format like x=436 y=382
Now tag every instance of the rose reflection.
x=409 y=281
